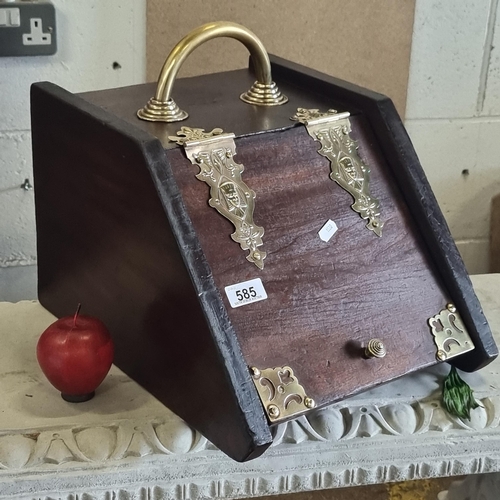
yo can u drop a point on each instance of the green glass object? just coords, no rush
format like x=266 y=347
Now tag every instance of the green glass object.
x=458 y=397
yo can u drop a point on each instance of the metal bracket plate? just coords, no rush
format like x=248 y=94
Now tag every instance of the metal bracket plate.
x=332 y=130
x=450 y=335
x=280 y=392
x=213 y=152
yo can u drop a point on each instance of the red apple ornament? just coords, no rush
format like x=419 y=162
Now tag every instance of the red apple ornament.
x=75 y=353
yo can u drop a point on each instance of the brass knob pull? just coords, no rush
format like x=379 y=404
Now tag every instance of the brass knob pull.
x=375 y=349
x=264 y=92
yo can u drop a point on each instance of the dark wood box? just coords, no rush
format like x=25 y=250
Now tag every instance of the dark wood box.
x=124 y=227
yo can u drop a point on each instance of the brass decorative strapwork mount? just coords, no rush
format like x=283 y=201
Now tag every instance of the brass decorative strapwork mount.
x=348 y=170
x=264 y=92
x=213 y=153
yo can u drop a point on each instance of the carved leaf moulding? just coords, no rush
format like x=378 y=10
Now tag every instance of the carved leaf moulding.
x=119 y=441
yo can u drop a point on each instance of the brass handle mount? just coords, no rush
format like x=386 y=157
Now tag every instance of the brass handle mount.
x=264 y=92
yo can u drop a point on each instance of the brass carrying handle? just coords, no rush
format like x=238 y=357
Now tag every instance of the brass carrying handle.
x=264 y=92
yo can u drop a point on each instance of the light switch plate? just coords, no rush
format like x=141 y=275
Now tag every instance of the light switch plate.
x=27 y=28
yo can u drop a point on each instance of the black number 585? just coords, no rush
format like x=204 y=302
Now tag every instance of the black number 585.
x=246 y=293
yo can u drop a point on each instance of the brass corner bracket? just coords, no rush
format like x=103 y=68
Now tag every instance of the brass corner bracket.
x=213 y=152
x=280 y=392
x=331 y=130
x=450 y=335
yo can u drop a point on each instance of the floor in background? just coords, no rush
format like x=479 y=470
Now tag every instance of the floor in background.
x=426 y=489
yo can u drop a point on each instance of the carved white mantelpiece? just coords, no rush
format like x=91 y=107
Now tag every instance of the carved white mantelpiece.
x=124 y=444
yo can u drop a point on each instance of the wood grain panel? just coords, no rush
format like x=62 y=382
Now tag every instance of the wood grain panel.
x=326 y=300
x=213 y=101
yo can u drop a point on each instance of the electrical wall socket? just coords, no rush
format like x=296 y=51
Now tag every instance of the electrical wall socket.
x=27 y=28
x=36 y=36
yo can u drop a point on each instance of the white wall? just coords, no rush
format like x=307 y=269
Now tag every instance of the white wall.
x=92 y=35
x=453 y=114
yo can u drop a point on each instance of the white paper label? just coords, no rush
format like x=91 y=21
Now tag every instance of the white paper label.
x=327 y=231
x=246 y=292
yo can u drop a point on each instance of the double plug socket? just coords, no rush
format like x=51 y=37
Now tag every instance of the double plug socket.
x=27 y=28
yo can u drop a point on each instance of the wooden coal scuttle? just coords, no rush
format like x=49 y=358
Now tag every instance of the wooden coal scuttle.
x=155 y=227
